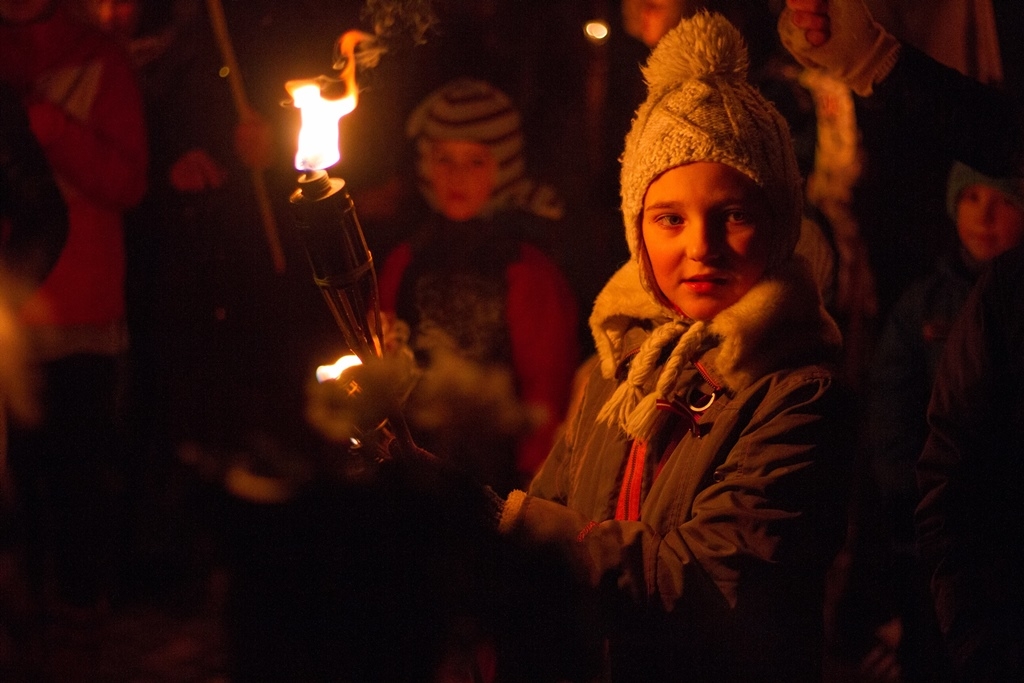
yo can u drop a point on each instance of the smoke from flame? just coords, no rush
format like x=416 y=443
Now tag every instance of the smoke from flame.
x=396 y=25
x=395 y=22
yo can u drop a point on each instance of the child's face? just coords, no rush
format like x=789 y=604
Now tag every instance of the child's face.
x=988 y=222
x=706 y=230
x=463 y=175
x=120 y=17
x=649 y=20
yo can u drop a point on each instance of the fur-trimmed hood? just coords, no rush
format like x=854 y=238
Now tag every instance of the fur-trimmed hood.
x=780 y=322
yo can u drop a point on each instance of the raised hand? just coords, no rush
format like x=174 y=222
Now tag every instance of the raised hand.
x=840 y=37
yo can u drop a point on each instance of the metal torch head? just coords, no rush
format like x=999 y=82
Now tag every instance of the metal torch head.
x=341 y=262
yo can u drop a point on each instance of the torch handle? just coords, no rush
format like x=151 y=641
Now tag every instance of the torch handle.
x=400 y=430
x=227 y=52
x=259 y=185
x=245 y=112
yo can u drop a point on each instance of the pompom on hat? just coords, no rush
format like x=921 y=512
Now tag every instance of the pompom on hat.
x=700 y=107
x=474 y=110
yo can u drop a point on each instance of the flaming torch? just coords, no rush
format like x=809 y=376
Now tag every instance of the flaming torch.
x=327 y=223
x=324 y=213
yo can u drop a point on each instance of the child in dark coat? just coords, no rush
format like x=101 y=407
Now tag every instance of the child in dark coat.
x=490 y=317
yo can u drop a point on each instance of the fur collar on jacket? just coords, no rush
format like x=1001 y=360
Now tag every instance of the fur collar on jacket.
x=780 y=322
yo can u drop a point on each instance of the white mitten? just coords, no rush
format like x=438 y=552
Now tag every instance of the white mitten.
x=859 y=52
x=545 y=524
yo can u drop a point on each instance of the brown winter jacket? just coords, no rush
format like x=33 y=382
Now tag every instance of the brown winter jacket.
x=723 y=576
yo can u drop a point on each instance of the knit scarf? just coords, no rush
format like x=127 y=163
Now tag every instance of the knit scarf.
x=777 y=323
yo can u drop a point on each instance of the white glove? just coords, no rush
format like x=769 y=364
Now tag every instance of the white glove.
x=856 y=49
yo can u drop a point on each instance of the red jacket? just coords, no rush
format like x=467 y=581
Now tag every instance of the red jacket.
x=85 y=109
x=541 y=314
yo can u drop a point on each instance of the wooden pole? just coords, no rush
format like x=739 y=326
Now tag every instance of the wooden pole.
x=245 y=111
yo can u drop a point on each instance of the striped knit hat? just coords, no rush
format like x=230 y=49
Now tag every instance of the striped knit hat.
x=473 y=110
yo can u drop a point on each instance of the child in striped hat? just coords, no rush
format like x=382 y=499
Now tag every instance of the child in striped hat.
x=471 y=159
x=492 y=320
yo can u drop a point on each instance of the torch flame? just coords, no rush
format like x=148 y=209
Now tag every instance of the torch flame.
x=319 y=145
x=329 y=373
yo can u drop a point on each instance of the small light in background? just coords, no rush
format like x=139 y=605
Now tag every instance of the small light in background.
x=596 y=31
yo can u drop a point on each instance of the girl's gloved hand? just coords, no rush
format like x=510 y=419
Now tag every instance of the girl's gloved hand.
x=841 y=37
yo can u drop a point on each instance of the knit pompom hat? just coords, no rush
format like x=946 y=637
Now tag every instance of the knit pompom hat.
x=476 y=111
x=961 y=176
x=700 y=107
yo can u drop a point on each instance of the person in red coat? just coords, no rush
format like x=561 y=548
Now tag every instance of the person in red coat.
x=85 y=111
